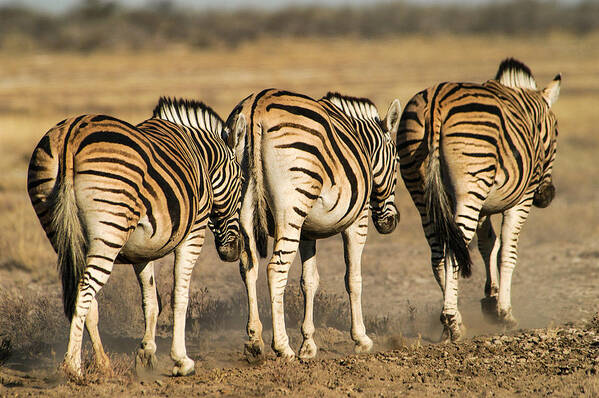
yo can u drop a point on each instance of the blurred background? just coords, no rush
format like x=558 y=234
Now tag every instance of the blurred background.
x=63 y=58
x=143 y=24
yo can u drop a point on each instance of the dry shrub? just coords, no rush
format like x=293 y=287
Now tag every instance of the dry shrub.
x=23 y=245
x=121 y=365
x=119 y=305
x=212 y=313
x=31 y=324
x=330 y=310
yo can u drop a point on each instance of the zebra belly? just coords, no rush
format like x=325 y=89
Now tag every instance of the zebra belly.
x=328 y=217
x=142 y=246
x=500 y=200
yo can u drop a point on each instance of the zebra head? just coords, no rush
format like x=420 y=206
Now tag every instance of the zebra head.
x=513 y=73
x=224 y=218
x=548 y=129
x=205 y=126
x=384 y=160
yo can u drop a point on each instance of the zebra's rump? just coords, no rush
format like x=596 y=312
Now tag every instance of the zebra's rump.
x=146 y=182
x=484 y=137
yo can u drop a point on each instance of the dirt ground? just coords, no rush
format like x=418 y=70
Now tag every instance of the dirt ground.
x=553 y=352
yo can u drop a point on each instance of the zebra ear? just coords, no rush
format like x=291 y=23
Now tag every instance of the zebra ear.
x=551 y=92
x=238 y=131
x=392 y=118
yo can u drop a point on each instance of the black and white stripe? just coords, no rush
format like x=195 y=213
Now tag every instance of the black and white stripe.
x=312 y=169
x=106 y=191
x=468 y=151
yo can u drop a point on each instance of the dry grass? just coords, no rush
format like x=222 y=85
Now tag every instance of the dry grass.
x=31 y=325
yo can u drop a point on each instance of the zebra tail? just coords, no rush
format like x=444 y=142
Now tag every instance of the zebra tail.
x=260 y=222
x=69 y=235
x=439 y=209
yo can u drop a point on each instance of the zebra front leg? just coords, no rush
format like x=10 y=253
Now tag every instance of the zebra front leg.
x=309 y=284
x=286 y=245
x=146 y=358
x=513 y=219
x=185 y=259
x=488 y=246
x=354 y=239
x=91 y=324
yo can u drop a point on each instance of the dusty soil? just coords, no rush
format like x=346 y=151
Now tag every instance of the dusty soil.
x=558 y=362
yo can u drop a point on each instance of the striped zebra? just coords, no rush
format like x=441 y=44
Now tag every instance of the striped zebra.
x=312 y=169
x=108 y=192
x=468 y=151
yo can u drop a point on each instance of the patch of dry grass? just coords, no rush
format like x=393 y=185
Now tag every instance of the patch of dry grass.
x=32 y=323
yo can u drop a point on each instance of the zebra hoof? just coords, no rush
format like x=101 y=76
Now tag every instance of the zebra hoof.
x=445 y=335
x=145 y=361
x=72 y=370
x=363 y=346
x=506 y=318
x=308 y=349
x=254 y=351
x=488 y=306
x=104 y=367
x=453 y=328
x=458 y=333
x=285 y=353
x=185 y=367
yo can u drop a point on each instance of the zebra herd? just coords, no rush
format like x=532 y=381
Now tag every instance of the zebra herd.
x=297 y=169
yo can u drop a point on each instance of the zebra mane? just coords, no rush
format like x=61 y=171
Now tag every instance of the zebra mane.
x=189 y=113
x=360 y=108
x=513 y=73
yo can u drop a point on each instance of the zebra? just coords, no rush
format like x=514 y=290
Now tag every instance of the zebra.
x=108 y=192
x=311 y=169
x=468 y=151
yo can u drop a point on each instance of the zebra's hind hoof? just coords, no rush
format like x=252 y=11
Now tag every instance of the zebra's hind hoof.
x=254 y=351
x=488 y=306
x=145 y=362
x=506 y=318
x=308 y=349
x=364 y=346
x=285 y=353
x=185 y=367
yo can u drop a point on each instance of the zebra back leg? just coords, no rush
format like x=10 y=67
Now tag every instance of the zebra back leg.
x=488 y=246
x=286 y=244
x=513 y=219
x=146 y=358
x=354 y=239
x=185 y=258
x=248 y=268
x=91 y=324
x=309 y=284
x=466 y=219
x=100 y=260
x=414 y=173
